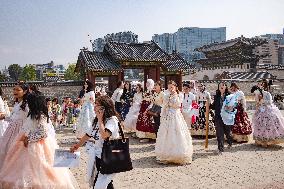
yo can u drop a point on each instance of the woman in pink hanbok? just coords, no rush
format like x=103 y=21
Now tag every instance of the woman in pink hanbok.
x=16 y=120
x=267 y=122
x=29 y=161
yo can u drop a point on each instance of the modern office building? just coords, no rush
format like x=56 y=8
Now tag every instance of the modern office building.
x=187 y=39
x=49 y=70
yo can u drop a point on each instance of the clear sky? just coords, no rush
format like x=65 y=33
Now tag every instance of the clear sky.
x=38 y=31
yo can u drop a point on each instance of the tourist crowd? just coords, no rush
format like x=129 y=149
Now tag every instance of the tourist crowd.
x=168 y=117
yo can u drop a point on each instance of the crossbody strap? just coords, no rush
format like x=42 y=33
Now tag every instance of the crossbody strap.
x=120 y=131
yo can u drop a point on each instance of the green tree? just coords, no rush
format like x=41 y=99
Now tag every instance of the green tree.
x=2 y=77
x=70 y=73
x=15 y=71
x=28 y=73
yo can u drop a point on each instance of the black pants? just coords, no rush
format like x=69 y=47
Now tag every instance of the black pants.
x=98 y=165
x=157 y=121
x=118 y=107
x=222 y=129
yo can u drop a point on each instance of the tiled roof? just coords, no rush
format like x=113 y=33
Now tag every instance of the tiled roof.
x=271 y=67
x=136 y=51
x=229 y=43
x=177 y=63
x=248 y=75
x=98 y=61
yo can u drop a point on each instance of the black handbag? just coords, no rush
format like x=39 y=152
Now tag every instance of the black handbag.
x=115 y=157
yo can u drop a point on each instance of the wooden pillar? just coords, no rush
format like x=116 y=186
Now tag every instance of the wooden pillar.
x=180 y=81
x=112 y=82
x=121 y=76
x=91 y=76
x=166 y=82
x=146 y=76
x=158 y=73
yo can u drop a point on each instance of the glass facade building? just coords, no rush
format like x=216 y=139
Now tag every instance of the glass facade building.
x=186 y=39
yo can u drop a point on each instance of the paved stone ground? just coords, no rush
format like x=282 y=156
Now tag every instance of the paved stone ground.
x=245 y=166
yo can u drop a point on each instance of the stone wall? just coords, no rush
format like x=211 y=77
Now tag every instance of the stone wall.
x=48 y=91
x=211 y=73
x=72 y=90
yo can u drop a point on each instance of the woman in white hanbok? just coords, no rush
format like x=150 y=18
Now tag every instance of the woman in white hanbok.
x=87 y=113
x=174 y=142
x=132 y=116
x=18 y=116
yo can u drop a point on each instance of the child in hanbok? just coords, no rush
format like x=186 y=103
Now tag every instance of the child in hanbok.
x=70 y=111
x=132 y=116
x=87 y=113
x=173 y=143
x=56 y=112
x=77 y=110
x=242 y=129
x=29 y=161
x=267 y=122
x=16 y=119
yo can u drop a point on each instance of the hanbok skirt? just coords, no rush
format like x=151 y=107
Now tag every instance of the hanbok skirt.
x=199 y=127
x=3 y=126
x=145 y=126
x=85 y=119
x=125 y=109
x=32 y=167
x=131 y=118
x=9 y=138
x=174 y=142
x=242 y=129
x=268 y=125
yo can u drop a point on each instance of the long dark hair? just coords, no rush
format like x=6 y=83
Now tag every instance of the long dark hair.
x=108 y=106
x=25 y=88
x=140 y=87
x=160 y=84
x=37 y=106
x=254 y=88
x=235 y=85
x=1 y=92
x=218 y=92
x=34 y=88
x=90 y=86
x=172 y=82
x=264 y=84
x=125 y=90
x=118 y=84
x=55 y=100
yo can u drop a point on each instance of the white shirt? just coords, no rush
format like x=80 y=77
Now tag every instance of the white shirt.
x=117 y=94
x=112 y=126
x=187 y=100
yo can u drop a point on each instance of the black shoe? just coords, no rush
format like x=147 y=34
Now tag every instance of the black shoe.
x=229 y=146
